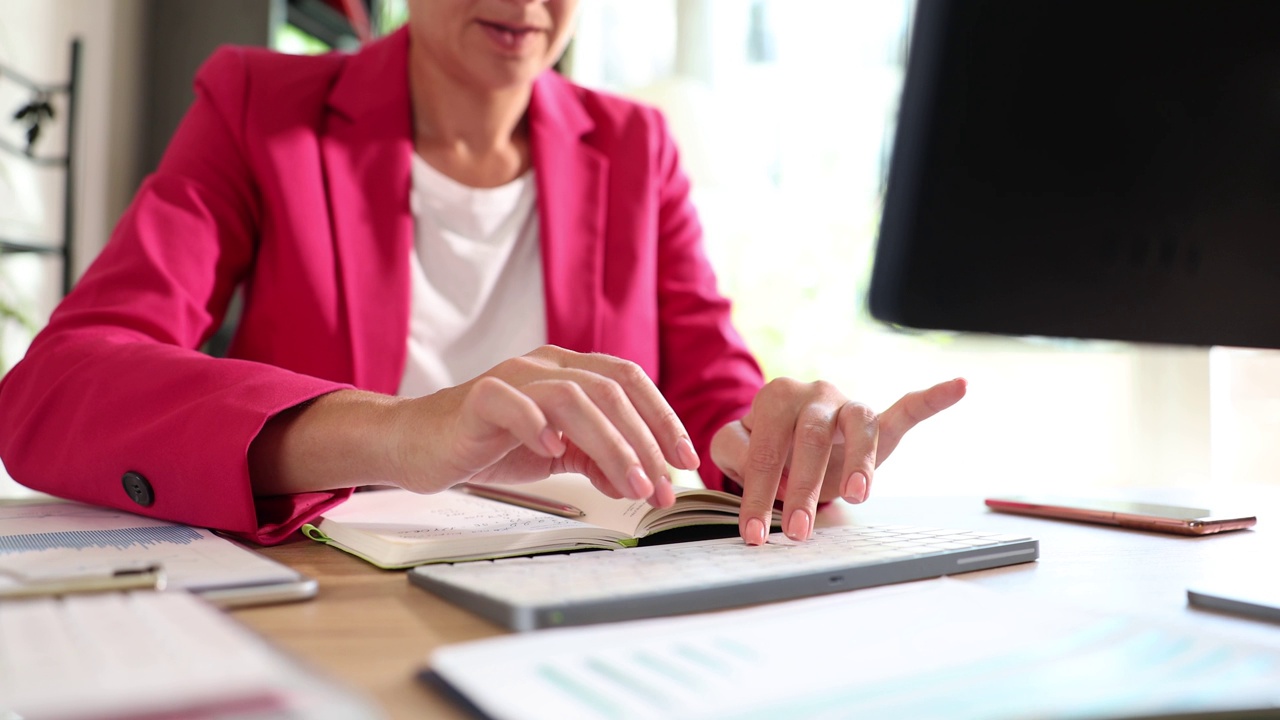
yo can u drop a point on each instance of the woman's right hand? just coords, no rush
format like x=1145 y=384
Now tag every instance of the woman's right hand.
x=552 y=410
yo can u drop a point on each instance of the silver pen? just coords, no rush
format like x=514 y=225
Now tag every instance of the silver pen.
x=524 y=500
x=151 y=577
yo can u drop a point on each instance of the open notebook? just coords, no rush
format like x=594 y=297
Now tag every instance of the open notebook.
x=397 y=528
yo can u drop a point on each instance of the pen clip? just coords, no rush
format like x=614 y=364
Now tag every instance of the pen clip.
x=149 y=577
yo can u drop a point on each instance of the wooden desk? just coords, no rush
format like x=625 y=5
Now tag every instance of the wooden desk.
x=367 y=628
x=372 y=630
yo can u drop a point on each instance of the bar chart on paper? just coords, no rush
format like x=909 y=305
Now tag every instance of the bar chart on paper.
x=60 y=539
x=935 y=649
x=122 y=539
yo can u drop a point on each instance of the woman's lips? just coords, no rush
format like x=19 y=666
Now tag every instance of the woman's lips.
x=510 y=38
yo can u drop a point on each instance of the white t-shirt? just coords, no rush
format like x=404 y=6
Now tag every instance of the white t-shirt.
x=476 y=275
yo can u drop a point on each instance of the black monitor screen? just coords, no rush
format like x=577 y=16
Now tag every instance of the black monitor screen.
x=1093 y=169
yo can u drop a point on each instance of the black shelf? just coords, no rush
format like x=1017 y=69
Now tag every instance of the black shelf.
x=60 y=246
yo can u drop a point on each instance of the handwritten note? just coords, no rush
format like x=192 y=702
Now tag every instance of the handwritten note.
x=445 y=515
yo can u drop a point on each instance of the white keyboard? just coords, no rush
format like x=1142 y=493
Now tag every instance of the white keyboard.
x=588 y=587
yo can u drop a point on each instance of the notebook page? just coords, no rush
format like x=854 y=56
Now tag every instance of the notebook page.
x=637 y=518
x=397 y=528
x=623 y=516
x=403 y=517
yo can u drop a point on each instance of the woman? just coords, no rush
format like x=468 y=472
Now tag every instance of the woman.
x=400 y=220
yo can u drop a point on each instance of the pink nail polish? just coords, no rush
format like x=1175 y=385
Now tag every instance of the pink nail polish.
x=641 y=486
x=551 y=441
x=666 y=491
x=854 y=488
x=663 y=494
x=798 y=525
x=755 y=532
x=688 y=456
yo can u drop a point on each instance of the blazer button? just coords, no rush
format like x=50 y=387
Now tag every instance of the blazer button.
x=138 y=489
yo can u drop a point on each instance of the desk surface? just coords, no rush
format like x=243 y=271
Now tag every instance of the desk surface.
x=372 y=630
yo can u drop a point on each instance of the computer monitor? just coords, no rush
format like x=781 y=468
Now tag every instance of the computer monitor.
x=1090 y=169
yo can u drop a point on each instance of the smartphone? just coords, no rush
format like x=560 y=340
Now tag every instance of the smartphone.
x=1142 y=516
x=1251 y=597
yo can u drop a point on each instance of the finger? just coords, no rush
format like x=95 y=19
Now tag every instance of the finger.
x=729 y=450
x=616 y=402
x=628 y=399
x=494 y=418
x=664 y=493
x=860 y=428
x=810 y=452
x=655 y=413
x=603 y=485
x=766 y=456
x=912 y=409
x=573 y=412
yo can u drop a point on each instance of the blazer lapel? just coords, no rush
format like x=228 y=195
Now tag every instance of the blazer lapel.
x=367 y=147
x=572 y=179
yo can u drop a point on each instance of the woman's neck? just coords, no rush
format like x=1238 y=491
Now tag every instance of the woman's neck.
x=476 y=136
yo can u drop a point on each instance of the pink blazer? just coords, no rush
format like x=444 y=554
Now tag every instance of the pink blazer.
x=291 y=176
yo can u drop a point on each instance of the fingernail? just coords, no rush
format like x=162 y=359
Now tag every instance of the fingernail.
x=666 y=492
x=798 y=525
x=550 y=440
x=688 y=456
x=755 y=532
x=854 y=488
x=641 y=487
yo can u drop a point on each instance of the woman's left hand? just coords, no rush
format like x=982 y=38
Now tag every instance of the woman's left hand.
x=806 y=443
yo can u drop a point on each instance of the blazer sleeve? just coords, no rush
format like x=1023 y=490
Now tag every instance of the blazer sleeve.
x=115 y=383
x=707 y=373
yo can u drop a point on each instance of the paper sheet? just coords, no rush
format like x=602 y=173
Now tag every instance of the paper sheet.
x=56 y=539
x=937 y=648
x=150 y=654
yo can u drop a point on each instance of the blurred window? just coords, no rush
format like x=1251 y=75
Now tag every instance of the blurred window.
x=784 y=111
